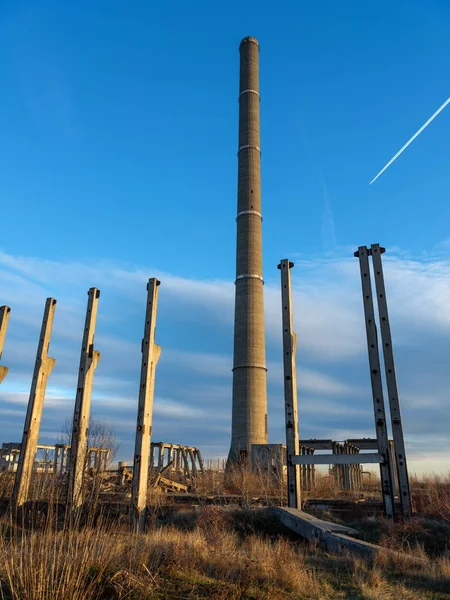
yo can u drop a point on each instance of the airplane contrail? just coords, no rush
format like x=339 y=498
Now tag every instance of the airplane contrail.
x=411 y=140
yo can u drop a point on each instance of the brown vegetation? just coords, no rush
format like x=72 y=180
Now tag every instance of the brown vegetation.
x=220 y=552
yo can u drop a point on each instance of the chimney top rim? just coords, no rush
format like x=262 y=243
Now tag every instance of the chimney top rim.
x=247 y=39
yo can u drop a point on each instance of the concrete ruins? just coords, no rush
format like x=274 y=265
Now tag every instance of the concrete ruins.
x=55 y=458
x=154 y=461
x=345 y=457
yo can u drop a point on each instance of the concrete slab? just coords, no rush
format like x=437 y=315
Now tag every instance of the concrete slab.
x=331 y=536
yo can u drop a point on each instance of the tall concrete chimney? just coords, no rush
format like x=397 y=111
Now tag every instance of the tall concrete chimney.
x=249 y=420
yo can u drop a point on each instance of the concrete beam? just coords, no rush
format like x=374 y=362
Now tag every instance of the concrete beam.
x=290 y=386
x=364 y=443
x=317 y=444
x=330 y=536
x=150 y=356
x=338 y=459
x=42 y=369
x=80 y=425
x=4 y=318
x=391 y=382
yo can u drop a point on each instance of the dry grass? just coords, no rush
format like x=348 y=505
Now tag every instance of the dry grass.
x=210 y=552
x=431 y=495
x=220 y=553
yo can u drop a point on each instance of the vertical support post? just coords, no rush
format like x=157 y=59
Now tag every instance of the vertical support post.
x=56 y=460
x=160 y=457
x=187 y=471
x=346 y=468
x=290 y=387
x=42 y=369
x=309 y=472
x=387 y=484
x=194 y=465
x=334 y=468
x=152 y=456
x=4 y=318
x=201 y=465
x=391 y=382
x=150 y=356
x=89 y=359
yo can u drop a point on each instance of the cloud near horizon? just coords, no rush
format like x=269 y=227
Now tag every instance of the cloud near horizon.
x=195 y=330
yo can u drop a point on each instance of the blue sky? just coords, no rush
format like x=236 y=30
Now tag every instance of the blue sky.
x=118 y=162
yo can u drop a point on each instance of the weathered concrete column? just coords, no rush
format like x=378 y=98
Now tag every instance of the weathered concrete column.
x=150 y=356
x=201 y=465
x=187 y=470
x=4 y=318
x=42 y=369
x=346 y=468
x=290 y=387
x=160 y=457
x=152 y=457
x=56 y=459
x=80 y=425
x=387 y=484
x=194 y=466
x=391 y=382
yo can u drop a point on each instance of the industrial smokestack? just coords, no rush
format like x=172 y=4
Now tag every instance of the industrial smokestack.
x=249 y=420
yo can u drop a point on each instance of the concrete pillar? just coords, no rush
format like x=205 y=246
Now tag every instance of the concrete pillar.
x=249 y=414
x=121 y=470
x=391 y=382
x=160 y=457
x=290 y=387
x=4 y=318
x=309 y=472
x=150 y=356
x=313 y=471
x=194 y=466
x=387 y=484
x=89 y=359
x=303 y=469
x=353 y=484
x=42 y=369
x=187 y=470
x=152 y=457
x=56 y=460
x=201 y=465
x=346 y=468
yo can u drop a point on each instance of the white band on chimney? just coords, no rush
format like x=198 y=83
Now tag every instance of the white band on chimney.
x=250 y=276
x=249 y=146
x=249 y=92
x=249 y=212
x=254 y=366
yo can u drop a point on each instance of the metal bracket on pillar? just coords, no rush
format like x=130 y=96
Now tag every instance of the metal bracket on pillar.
x=4 y=318
x=150 y=356
x=42 y=368
x=89 y=359
x=387 y=483
x=391 y=382
x=290 y=387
